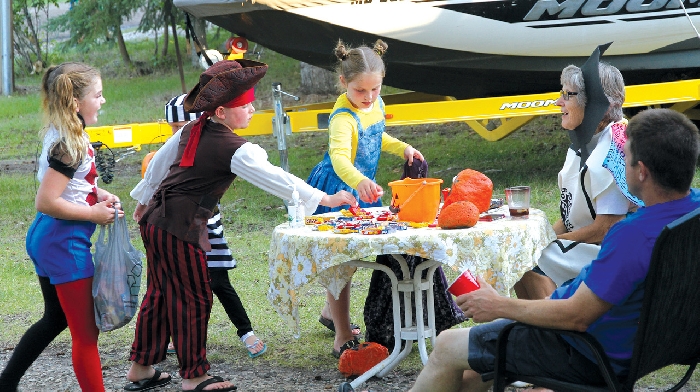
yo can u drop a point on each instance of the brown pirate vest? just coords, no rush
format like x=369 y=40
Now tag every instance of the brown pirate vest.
x=185 y=199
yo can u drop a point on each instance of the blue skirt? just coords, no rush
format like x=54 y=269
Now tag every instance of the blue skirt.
x=323 y=177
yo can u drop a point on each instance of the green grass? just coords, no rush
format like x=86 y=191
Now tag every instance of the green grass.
x=532 y=156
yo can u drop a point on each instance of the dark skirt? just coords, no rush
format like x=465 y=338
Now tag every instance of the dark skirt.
x=378 y=313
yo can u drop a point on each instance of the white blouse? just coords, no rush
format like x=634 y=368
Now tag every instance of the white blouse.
x=250 y=162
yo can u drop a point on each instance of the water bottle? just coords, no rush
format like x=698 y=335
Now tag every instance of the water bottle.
x=298 y=210
x=292 y=208
x=301 y=214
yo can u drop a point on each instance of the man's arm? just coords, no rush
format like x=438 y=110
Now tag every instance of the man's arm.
x=575 y=313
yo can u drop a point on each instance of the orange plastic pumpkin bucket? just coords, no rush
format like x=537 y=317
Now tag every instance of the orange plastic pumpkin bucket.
x=416 y=199
x=146 y=160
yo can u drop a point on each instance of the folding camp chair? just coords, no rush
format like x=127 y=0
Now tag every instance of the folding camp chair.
x=668 y=324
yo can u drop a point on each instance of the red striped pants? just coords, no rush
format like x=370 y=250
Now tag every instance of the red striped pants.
x=177 y=303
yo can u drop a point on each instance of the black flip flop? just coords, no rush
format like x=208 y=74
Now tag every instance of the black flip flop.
x=147 y=384
x=209 y=381
x=347 y=345
x=328 y=323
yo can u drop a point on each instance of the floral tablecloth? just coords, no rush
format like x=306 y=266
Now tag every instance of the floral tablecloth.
x=499 y=252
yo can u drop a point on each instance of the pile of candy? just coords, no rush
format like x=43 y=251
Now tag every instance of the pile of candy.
x=358 y=220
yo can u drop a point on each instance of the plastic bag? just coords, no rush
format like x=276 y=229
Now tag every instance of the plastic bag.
x=117 y=280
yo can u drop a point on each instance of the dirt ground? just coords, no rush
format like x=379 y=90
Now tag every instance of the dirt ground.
x=18 y=166
x=53 y=372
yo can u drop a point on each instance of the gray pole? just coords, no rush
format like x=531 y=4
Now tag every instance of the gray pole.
x=7 y=69
x=281 y=127
x=278 y=123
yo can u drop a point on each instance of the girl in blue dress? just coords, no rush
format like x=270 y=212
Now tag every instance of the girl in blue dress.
x=356 y=139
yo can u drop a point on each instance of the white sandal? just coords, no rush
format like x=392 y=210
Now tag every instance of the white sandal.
x=250 y=347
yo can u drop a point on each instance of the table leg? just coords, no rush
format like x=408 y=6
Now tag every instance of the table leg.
x=395 y=357
x=412 y=288
x=419 y=285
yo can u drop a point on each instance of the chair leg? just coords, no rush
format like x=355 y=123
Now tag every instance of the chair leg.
x=685 y=378
x=500 y=382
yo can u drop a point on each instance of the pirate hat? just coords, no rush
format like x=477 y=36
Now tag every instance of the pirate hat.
x=223 y=82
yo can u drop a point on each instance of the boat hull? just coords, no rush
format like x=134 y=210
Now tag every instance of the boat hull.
x=438 y=58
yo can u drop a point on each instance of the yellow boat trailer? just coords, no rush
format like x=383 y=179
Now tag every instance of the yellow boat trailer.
x=511 y=113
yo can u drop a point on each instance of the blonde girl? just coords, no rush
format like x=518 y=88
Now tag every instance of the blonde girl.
x=69 y=205
x=356 y=139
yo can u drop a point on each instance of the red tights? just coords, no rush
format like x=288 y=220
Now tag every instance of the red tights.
x=77 y=304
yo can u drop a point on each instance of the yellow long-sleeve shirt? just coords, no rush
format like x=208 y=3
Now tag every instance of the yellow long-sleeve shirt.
x=342 y=140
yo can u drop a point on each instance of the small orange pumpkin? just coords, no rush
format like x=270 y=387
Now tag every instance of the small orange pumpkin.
x=359 y=359
x=471 y=185
x=146 y=161
x=458 y=215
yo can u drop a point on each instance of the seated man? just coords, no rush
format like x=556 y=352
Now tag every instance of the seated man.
x=604 y=299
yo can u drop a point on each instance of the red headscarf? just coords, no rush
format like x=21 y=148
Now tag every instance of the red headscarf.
x=196 y=131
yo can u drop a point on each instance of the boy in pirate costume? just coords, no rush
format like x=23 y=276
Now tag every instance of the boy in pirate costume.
x=206 y=157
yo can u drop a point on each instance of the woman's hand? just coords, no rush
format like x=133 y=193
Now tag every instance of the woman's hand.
x=339 y=199
x=411 y=153
x=369 y=191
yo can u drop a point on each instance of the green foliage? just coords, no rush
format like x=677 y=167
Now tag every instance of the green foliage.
x=93 y=21
x=157 y=13
x=153 y=15
x=27 y=32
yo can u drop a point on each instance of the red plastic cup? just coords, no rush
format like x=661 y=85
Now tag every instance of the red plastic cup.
x=445 y=193
x=465 y=283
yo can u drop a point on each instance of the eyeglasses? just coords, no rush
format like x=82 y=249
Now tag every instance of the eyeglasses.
x=566 y=94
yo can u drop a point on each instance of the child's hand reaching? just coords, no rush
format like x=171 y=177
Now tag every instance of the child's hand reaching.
x=369 y=191
x=339 y=199
x=411 y=153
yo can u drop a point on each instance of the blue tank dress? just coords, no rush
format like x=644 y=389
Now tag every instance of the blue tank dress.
x=369 y=149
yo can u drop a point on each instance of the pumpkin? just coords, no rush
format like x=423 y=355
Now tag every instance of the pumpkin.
x=359 y=359
x=471 y=185
x=458 y=215
x=146 y=161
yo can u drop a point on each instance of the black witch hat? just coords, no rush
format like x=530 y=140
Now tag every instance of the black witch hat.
x=597 y=104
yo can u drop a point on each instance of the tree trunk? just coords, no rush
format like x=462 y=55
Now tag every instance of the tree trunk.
x=34 y=37
x=21 y=43
x=166 y=39
x=122 y=46
x=177 y=53
x=167 y=17
x=155 y=49
x=315 y=80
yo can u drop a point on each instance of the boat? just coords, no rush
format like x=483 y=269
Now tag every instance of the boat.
x=475 y=48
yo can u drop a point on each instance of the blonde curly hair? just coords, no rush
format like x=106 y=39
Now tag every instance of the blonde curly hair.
x=61 y=86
